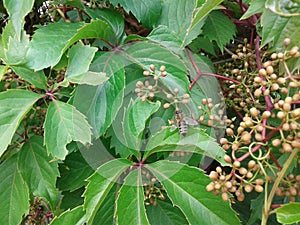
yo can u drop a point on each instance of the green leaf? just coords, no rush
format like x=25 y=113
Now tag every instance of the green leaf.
x=185 y=187
x=164 y=213
x=146 y=11
x=16 y=50
x=14 y=195
x=204 y=9
x=71 y=199
x=63 y=124
x=14 y=104
x=196 y=141
x=100 y=183
x=80 y=58
x=130 y=202
x=75 y=216
x=177 y=15
x=73 y=172
x=2 y=71
x=166 y=37
x=284 y=8
x=105 y=214
x=43 y=51
x=202 y=43
x=17 y=11
x=37 y=78
x=100 y=104
x=219 y=28
x=146 y=53
x=256 y=6
x=276 y=28
x=39 y=173
x=133 y=124
x=186 y=18
x=64 y=34
x=112 y=17
x=289 y=213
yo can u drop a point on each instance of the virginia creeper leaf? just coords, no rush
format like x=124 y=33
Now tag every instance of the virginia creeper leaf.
x=63 y=124
x=39 y=173
x=276 y=28
x=130 y=202
x=147 y=53
x=256 y=6
x=112 y=17
x=80 y=58
x=105 y=214
x=37 y=78
x=73 y=172
x=134 y=120
x=14 y=195
x=16 y=50
x=166 y=37
x=100 y=104
x=100 y=183
x=17 y=11
x=186 y=18
x=2 y=71
x=196 y=141
x=203 y=10
x=288 y=213
x=14 y=104
x=185 y=187
x=164 y=213
x=219 y=28
x=284 y=8
x=49 y=52
x=75 y=216
x=48 y=44
x=146 y=11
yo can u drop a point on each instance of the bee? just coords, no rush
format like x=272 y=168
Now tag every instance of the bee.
x=182 y=122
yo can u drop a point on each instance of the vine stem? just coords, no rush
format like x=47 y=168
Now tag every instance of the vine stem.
x=268 y=203
x=200 y=73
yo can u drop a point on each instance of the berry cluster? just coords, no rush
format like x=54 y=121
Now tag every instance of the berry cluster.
x=153 y=190
x=265 y=96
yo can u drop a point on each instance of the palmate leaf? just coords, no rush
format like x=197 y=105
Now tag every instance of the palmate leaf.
x=113 y=18
x=284 y=8
x=133 y=124
x=288 y=213
x=80 y=58
x=186 y=18
x=49 y=52
x=196 y=141
x=130 y=202
x=146 y=11
x=73 y=172
x=14 y=104
x=185 y=187
x=164 y=213
x=101 y=103
x=105 y=214
x=75 y=216
x=100 y=184
x=219 y=28
x=17 y=11
x=63 y=124
x=37 y=78
x=256 y=6
x=39 y=173
x=14 y=195
x=14 y=53
x=276 y=28
x=146 y=53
